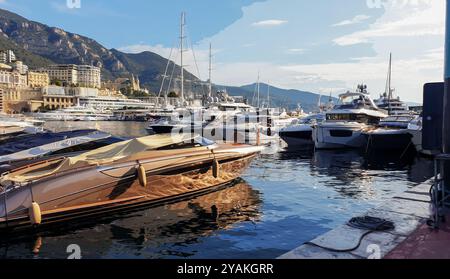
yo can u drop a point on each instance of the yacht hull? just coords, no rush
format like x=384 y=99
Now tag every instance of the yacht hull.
x=338 y=136
x=298 y=136
x=96 y=190
x=388 y=140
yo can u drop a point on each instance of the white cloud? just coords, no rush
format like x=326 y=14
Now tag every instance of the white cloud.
x=357 y=19
x=410 y=21
x=270 y=22
x=413 y=34
x=297 y=50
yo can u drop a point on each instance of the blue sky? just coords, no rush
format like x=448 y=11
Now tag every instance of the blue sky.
x=321 y=45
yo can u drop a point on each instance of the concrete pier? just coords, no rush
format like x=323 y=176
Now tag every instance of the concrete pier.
x=409 y=211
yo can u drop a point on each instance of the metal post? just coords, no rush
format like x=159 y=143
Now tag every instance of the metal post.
x=446 y=121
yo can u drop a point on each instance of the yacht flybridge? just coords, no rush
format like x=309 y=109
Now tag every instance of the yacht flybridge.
x=344 y=124
x=124 y=175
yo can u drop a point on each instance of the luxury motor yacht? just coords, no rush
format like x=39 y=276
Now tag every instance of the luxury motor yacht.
x=391 y=134
x=299 y=134
x=11 y=127
x=75 y=113
x=184 y=120
x=125 y=175
x=415 y=128
x=344 y=124
x=394 y=106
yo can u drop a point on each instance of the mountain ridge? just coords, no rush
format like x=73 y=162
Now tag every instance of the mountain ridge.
x=38 y=45
x=61 y=47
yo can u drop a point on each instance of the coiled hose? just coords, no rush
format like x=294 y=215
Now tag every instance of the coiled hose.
x=372 y=224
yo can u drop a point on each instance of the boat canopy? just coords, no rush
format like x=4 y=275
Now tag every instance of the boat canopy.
x=108 y=154
x=42 y=150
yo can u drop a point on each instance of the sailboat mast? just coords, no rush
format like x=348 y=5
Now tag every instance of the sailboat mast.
x=389 y=82
x=210 y=72
x=268 y=94
x=257 y=90
x=181 y=53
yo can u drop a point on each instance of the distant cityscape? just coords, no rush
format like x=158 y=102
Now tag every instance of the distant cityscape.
x=61 y=86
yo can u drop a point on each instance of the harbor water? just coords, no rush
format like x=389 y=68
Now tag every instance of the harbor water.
x=284 y=199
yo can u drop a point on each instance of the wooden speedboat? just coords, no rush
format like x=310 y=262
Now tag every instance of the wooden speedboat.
x=127 y=174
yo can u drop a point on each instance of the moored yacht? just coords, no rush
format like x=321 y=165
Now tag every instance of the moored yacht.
x=394 y=106
x=344 y=124
x=299 y=134
x=415 y=128
x=75 y=113
x=11 y=127
x=120 y=176
x=391 y=134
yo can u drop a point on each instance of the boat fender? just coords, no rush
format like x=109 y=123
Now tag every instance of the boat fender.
x=216 y=168
x=35 y=214
x=258 y=136
x=142 y=176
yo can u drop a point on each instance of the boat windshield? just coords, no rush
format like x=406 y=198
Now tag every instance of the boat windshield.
x=352 y=117
x=398 y=119
x=354 y=101
x=313 y=119
x=192 y=143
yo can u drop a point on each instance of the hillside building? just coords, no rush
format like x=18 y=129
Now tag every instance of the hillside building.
x=7 y=56
x=81 y=75
x=38 y=80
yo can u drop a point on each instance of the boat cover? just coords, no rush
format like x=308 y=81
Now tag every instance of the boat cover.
x=25 y=142
x=104 y=155
x=54 y=146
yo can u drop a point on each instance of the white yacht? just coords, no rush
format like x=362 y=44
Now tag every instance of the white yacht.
x=394 y=106
x=344 y=124
x=19 y=124
x=415 y=128
x=299 y=134
x=75 y=113
x=391 y=134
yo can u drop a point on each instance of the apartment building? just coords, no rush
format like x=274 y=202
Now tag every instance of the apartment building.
x=7 y=56
x=82 y=75
x=36 y=79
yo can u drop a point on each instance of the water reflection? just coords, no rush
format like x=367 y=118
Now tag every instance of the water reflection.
x=351 y=173
x=151 y=233
x=294 y=197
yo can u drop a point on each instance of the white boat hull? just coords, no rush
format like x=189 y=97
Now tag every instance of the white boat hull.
x=339 y=135
x=298 y=136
